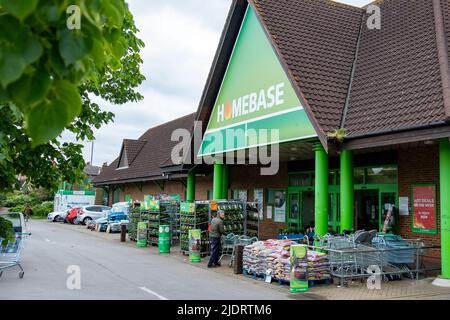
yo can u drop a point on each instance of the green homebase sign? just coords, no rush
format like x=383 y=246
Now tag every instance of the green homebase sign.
x=299 y=268
x=195 y=245
x=256 y=104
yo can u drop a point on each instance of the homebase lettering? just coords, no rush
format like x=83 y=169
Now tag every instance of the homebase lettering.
x=225 y=310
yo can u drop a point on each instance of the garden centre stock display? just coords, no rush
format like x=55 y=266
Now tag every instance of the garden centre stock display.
x=194 y=215
x=252 y=220
x=273 y=258
x=160 y=213
x=234 y=221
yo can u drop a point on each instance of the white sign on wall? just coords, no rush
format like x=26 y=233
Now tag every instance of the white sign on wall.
x=403 y=206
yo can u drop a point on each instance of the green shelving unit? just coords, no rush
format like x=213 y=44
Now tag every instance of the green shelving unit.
x=194 y=215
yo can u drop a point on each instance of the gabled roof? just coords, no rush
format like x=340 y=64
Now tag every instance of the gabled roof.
x=346 y=75
x=146 y=154
x=130 y=150
x=316 y=42
x=398 y=80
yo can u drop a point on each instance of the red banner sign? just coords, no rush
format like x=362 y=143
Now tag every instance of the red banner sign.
x=424 y=209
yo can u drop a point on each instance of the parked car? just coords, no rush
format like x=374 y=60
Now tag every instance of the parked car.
x=89 y=213
x=72 y=215
x=56 y=216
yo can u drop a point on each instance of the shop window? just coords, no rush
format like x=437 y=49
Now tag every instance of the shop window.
x=358 y=176
x=240 y=194
x=300 y=179
x=209 y=195
x=381 y=175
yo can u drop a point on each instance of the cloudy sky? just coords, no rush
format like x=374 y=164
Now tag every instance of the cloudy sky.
x=181 y=38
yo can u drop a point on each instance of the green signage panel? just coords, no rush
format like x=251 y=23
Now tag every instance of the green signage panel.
x=255 y=94
x=299 y=265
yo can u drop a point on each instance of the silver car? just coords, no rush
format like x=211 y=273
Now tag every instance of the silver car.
x=93 y=212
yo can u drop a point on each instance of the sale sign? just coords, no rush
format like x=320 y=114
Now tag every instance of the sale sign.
x=424 y=209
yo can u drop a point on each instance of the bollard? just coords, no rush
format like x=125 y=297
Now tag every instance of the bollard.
x=238 y=256
x=123 y=232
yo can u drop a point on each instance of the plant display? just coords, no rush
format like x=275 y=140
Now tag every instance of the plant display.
x=194 y=216
x=162 y=214
x=252 y=220
x=234 y=217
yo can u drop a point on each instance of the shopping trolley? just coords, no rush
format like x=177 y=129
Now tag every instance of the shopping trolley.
x=11 y=253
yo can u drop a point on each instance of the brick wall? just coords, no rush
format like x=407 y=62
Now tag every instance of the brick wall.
x=137 y=191
x=418 y=166
x=249 y=177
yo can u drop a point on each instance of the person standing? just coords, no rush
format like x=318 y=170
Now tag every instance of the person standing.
x=27 y=212
x=215 y=233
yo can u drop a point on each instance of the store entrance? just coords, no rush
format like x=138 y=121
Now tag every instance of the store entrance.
x=301 y=208
x=307 y=211
x=367 y=209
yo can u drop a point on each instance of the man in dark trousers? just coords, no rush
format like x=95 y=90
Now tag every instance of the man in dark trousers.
x=27 y=212
x=215 y=233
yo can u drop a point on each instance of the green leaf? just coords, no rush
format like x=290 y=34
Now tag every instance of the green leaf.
x=74 y=46
x=30 y=89
x=19 y=49
x=114 y=11
x=48 y=119
x=19 y=8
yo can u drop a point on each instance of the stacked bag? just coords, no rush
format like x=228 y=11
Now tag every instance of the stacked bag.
x=274 y=256
x=318 y=266
x=270 y=255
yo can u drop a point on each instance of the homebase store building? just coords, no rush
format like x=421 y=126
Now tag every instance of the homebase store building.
x=361 y=116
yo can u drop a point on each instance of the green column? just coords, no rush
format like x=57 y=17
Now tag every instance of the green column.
x=321 y=190
x=217 y=181
x=444 y=169
x=225 y=181
x=190 y=192
x=347 y=192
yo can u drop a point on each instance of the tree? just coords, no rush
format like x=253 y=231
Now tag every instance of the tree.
x=49 y=70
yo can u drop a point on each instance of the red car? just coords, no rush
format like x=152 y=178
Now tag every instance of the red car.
x=73 y=213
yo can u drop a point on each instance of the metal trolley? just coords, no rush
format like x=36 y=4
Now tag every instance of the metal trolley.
x=11 y=253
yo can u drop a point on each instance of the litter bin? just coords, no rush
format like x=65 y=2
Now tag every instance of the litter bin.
x=238 y=255
x=164 y=239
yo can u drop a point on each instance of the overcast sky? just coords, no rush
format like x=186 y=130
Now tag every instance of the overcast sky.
x=181 y=38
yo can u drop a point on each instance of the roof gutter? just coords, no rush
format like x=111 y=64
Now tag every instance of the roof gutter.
x=442 y=47
x=391 y=131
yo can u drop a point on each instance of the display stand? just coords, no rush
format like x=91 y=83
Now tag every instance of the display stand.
x=160 y=213
x=194 y=215
x=235 y=211
x=251 y=220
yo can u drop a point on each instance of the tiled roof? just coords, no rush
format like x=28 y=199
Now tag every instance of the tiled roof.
x=445 y=4
x=156 y=147
x=398 y=80
x=132 y=148
x=317 y=41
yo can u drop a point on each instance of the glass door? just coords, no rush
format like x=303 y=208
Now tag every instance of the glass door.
x=388 y=205
x=293 y=218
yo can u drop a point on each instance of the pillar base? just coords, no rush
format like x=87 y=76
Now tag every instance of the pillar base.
x=441 y=282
